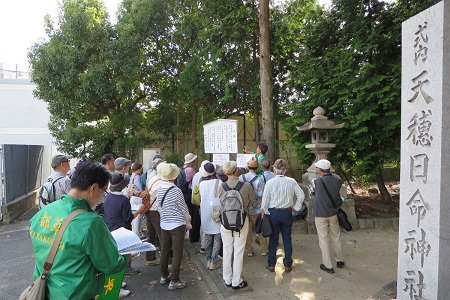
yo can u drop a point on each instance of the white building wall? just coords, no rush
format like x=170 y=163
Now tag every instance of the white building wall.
x=23 y=118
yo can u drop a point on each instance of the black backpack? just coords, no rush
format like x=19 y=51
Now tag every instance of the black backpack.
x=181 y=182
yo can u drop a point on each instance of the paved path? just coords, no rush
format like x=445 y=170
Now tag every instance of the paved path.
x=370 y=257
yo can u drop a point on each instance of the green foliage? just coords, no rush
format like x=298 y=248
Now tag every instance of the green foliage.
x=348 y=62
x=174 y=158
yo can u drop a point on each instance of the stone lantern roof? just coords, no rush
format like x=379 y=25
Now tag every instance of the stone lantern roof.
x=319 y=121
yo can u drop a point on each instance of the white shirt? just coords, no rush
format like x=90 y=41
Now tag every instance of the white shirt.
x=209 y=191
x=282 y=192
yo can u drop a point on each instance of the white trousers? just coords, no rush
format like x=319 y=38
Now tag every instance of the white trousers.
x=233 y=254
x=329 y=235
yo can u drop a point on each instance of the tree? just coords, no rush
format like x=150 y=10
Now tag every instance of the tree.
x=265 y=72
x=90 y=80
x=350 y=65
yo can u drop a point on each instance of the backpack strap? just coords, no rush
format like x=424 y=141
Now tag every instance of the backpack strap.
x=238 y=186
x=225 y=186
x=53 y=187
x=253 y=179
x=243 y=178
x=165 y=194
x=264 y=177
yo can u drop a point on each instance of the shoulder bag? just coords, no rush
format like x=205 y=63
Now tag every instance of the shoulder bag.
x=36 y=290
x=341 y=215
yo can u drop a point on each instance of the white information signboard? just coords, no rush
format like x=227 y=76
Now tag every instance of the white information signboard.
x=220 y=136
x=242 y=159
x=220 y=158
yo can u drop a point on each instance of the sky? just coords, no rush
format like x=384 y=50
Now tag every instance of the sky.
x=22 y=24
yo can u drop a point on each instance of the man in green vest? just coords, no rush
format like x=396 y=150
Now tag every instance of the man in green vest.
x=87 y=251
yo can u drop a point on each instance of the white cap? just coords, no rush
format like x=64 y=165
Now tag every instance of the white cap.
x=323 y=164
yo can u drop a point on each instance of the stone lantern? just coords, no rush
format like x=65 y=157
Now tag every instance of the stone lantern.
x=319 y=126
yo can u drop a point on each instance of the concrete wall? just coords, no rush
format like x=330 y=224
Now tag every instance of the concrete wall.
x=23 y=118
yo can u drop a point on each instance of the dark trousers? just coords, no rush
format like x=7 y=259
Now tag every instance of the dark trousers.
x=152 y=219
x=281 y=222
x=196 y=223
x=194 y=211
x=172 y=240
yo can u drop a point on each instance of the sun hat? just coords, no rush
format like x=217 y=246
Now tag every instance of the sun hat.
x=120 y=162
x=118 y=182
x=168 y=171
x=279 y=164
x=190 y=157
x=59 y=159
x=323 y=164
x=253 y=163
x=207 y=170
x=229 y=167
x=156 y=162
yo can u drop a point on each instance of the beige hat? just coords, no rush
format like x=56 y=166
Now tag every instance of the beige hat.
x=253 y=163
x=190 y=157
x=168 y=171
x=323 y=164
x=229 y=167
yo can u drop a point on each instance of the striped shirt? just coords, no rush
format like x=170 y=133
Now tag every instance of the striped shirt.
x=174 y=210
x=62 y=186
x=282 y=192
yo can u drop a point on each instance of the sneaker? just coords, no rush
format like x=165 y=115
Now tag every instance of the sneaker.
x=123 y=293
x=177 y=285
x=216 y=265
x=202 y=250
x=241 y=285
x=165 y=280
x=124 y=284
x=340 y=264
x=250 y=254
x=131 y=271
x=264 y=254
x=323 y=268
x=154 y=262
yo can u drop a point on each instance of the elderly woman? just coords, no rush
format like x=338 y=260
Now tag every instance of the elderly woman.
x=118 y=214
x=175 y=220
x=210 y=224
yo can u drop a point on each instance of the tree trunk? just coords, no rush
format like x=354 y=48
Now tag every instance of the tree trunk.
x=348 y=180
x=194 y=130
x=385 y=196
x=266 y=80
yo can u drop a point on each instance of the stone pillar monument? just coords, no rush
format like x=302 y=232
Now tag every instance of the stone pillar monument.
x=424 y=228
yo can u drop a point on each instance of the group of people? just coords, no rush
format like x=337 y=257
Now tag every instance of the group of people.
x=171 y=216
